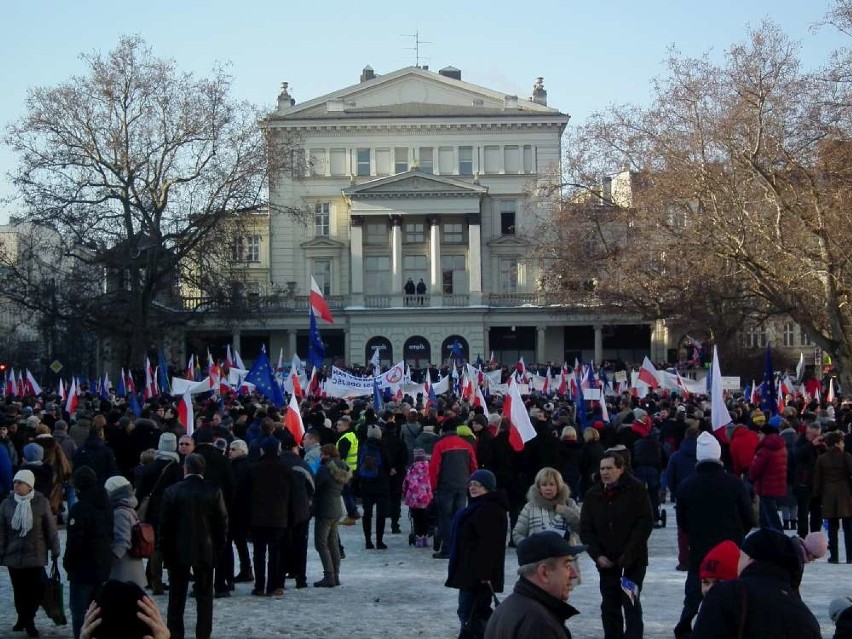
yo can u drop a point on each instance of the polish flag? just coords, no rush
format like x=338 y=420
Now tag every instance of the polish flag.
x=318 y=302
x=830 y=395
x=148 y=393
x=479 y=400
x=563 y=382
x=32 y=384
x=545 y=389
x=681 y=385
x=604 y=411
x=229 y=362
x=492 y=360
x=10 y=382
x=313 y=384
x=61 y=391
x=186 y=413
x=22 y=388
x=521 y=370
x=755 y=394
x=398 y=396
x=520 y=427
x=190 y=368
x=297 y=387
x=648 y=373
x=467 y=388
x=238 y=361
x=71 y=402
x=293 y=420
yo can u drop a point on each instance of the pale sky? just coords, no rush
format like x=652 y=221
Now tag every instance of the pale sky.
x=591 y=54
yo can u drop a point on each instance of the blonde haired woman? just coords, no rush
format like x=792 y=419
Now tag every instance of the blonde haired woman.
x=549 y=507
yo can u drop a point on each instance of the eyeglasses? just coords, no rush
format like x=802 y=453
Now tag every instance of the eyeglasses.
x=185 y=444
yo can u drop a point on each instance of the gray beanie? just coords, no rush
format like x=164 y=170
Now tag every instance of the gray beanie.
x=374 y=432
x=167 y=443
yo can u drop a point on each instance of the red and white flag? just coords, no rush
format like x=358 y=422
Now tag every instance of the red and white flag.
x=61 y=391
x=10 y=382
x=681 y=385
x=149 y=392
x=190 y=368
x=32 y=384
x=479 y=400
x=293 y=420
x=520 y=427
x=297 y=387
x=830 y=396
x=648 y=373
x=318 y=302
x=545 y=389
x=71 y=402
x=313 y=384
x=229 y=362
x=186 y=413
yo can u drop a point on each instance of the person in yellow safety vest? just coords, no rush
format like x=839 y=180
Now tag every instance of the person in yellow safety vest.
x=347 y=446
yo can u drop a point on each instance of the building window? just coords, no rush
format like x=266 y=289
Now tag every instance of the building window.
x=253 y=248
x=377 y=275
x=529 y=160
x=376 y=233
x=511 y=159
x=322 y=219
x=454 y=233
x=508 y=209
x=322 y=274
x=363 y=161
x=426 y=160
x=788 y=334
x=400 y=159
x=338 y=162
x=804 y=338
x=415 y=268
x=452 y=272
x=509 y=275
x=492 y=159
x=246 y=249
x=415 y=233
x=383 y=161
x=445 y=160
x=318 y=163
x=465 y=160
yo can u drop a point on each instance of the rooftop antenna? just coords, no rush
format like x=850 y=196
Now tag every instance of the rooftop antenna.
x=416 y=47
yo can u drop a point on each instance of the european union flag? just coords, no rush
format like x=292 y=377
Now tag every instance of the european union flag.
x=121 y=389
x=316 y=349
x=135 y=408
x=457 y=351
x=377 y=398
x=261 y=376
x=162 y=372
x=768 y=399
x=478 y=361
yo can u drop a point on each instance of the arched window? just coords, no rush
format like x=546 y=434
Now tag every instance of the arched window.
x=417 y=352
x=455 y=347
x=383 y=345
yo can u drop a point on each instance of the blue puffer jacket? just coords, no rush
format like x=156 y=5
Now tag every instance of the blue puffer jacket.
x=681 y=464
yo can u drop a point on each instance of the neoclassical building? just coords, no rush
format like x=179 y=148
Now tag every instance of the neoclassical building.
x=416 y=213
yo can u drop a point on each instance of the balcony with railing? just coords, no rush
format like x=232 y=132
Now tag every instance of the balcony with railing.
x=284 y=302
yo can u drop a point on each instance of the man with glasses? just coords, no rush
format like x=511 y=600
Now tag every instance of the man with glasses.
x=186 y=446
x=615 y=524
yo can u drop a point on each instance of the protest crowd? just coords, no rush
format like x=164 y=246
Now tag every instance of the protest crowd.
x=201 y=484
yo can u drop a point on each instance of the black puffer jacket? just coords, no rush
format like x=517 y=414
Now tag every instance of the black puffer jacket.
x=763 y=600
x=616 y=522
x=88 y=549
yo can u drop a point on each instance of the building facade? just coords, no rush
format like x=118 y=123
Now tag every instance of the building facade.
x=414 y=205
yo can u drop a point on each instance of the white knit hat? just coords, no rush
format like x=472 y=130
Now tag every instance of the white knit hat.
x=708 y=448
x=26 y=477
x=115 y=482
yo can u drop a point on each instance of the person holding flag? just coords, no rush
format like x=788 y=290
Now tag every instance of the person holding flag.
x=615 y=523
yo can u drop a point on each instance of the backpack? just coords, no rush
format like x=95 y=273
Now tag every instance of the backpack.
x=141 y=539
x=370 y=464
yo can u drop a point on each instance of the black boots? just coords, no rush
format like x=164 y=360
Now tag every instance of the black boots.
x=328 y=581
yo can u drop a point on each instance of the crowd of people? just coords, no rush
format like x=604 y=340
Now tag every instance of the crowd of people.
x=240 y=478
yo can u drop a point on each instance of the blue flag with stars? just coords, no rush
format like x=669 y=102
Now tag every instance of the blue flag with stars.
x=264 y=381
x=377 y=397
x=135 y=408
x=316 y=349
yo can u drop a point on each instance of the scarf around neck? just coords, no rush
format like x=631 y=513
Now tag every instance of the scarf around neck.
x=22 y=520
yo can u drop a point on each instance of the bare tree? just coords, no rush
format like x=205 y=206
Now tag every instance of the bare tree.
x=743 y=196
x=133 y=166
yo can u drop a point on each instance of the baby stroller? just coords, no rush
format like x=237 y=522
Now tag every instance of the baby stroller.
x=432 y=514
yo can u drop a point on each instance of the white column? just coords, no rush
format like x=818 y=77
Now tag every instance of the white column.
x=396 y=259
x=598 y=344
x=474 y=259
x=291 y=342
x=539 y=344
x=435 y=280
x=356 y=252
x=235 y=340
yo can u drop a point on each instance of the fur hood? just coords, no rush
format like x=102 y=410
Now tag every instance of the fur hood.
x=339 y=471
x=534 y=497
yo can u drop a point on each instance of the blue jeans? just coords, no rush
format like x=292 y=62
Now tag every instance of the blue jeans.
x=70 y=496
x=449 y=502
x=349 y=502
x=769 y=517
x=79 y=598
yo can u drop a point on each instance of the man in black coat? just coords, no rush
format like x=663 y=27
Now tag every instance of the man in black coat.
x=807 y=448
x=95 y=454
x=761 y=603
x=538 y=604
x=398 y=457
x=220 y=474
x=193 y=531
x=88 y=549
x=294 y=546
x=615 y=523
x=712 y=506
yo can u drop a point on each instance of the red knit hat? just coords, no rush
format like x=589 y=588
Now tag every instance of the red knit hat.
x=721 y=562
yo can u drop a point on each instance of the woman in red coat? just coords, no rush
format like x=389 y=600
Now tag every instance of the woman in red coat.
x=743 y=447
x=768 y=473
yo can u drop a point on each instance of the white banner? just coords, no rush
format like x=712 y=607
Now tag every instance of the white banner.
x=181 y=385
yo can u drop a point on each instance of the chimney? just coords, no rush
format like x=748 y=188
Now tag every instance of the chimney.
x=539 y=95
x=450 y=72
x=285 y=101
x=368 y=74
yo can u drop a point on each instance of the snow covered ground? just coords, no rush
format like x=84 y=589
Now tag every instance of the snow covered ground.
x=399 y=593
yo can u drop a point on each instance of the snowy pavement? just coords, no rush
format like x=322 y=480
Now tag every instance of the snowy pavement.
x=399 y=593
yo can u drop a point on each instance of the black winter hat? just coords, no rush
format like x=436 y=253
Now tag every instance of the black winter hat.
x=85 y=478
x=776 y=548
x=545 y=545
x=117 y=601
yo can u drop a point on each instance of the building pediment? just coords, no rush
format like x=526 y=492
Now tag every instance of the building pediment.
x=414 y=184
x=322 y=243
x=508 y=242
